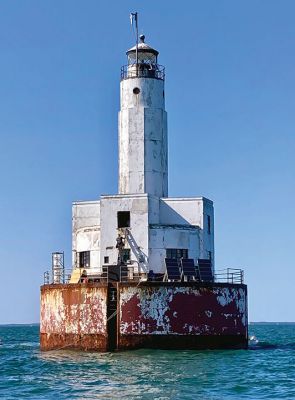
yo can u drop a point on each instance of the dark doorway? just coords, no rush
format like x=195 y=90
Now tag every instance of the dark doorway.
x=123 y=219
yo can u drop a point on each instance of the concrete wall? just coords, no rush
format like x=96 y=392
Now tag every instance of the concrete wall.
x=182 y=211
x=180 y=223
x=137 y=240
x=169 y=237
x=156 y=224
x=143 y=155
x=86 y=231
x=207 y=240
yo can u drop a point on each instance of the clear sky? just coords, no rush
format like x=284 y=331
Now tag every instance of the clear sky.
x=230 y=95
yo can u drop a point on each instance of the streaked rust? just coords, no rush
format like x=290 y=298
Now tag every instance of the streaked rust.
x=73 y=316
x=149 y=315
x=55 y=341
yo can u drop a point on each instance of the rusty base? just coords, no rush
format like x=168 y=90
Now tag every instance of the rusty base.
x=96 y=317
x=130 y=342
x=54 y=341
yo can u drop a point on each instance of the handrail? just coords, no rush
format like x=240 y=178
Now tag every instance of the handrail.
x=65 y=275
x=154 y=71
x=230 y=275
x=127 y=274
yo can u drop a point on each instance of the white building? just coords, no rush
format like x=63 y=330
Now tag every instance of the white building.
x=152 y=225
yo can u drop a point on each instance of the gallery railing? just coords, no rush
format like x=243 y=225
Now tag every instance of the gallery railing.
x=155 y=71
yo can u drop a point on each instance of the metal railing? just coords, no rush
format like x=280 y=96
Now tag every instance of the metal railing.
x=229 y=275
x=50 y=278
x=128 y=274
x=155 y=71
x=121 y=274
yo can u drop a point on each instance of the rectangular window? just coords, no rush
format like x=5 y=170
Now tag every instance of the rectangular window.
x=208 y=224
x=123 y=219
x=106 y=260
x=84 y=259
x=176 y=254
x=126 y=255
x=210 y=255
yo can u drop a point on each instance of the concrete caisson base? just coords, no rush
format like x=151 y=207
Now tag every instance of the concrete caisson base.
x=162 y=315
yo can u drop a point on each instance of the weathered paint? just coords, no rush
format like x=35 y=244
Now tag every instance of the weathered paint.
x=143 y=155
x=86 y=231
x=73 y=316
x=182 y=312
x=160 y=315
x=149 y=315
x=157 y=222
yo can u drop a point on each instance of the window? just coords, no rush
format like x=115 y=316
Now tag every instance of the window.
x=123 y=219
x=106 y=260
x=84 y=259
x=125 y=255
x=208 y=224
x=176 y=254
x=210 y=255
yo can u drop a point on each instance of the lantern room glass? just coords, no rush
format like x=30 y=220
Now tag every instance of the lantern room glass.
x=144 y=57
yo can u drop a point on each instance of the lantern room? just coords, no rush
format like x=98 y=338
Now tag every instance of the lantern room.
x=142 y=62
x=145 y=53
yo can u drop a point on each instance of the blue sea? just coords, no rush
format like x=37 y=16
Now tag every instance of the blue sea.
x=265 y=371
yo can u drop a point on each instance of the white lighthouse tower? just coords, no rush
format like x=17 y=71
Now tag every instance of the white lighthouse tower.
x=141 y=226
x=143 y=165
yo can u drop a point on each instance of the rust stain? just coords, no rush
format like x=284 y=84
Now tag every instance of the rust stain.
x=73 y=317
x=159 y=316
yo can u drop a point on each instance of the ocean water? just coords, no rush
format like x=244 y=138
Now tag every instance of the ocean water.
x=265 y=371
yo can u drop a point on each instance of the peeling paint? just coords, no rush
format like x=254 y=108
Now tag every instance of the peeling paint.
x=75 y=311
x=75 y=316
x=183 y=310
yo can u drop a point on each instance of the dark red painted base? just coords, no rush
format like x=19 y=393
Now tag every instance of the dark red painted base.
x=181 y=342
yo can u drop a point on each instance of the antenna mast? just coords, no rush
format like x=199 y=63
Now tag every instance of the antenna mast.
x=135 y=17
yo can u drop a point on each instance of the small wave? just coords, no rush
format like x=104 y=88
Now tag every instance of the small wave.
x=255 y=344
x=262 y=346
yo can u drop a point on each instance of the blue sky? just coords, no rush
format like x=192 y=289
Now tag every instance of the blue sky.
x=230 y=94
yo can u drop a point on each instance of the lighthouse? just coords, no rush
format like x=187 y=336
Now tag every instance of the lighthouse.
x=150 y=225
x=143 y=264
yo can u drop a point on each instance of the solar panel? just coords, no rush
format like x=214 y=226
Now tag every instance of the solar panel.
x=173 y=270
x=205 y=269
x=188 y=269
